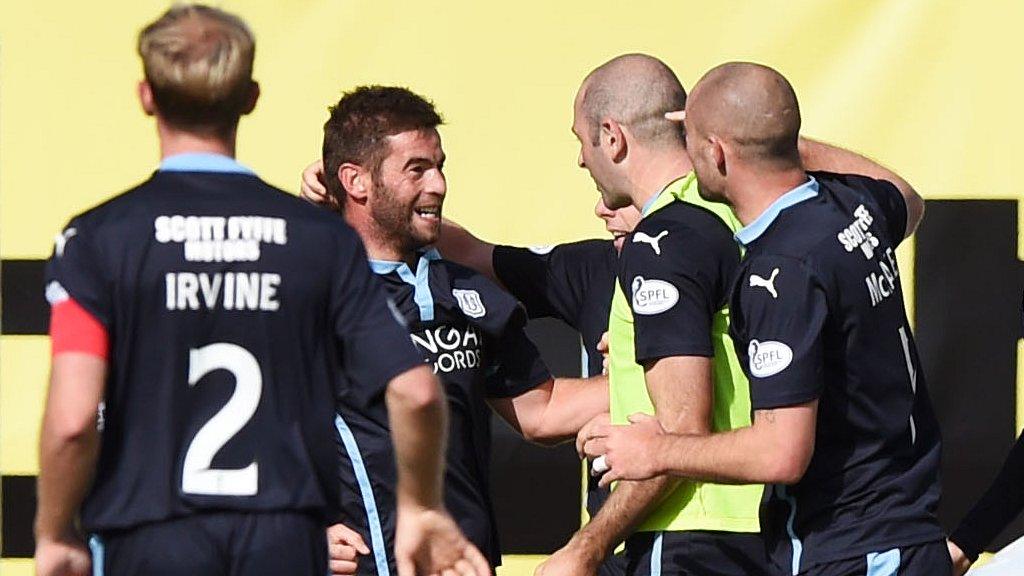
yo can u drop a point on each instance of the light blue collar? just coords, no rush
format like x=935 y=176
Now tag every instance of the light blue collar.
x=419 y=281
x=203 y=162
x=650 y=203
x=755 y=229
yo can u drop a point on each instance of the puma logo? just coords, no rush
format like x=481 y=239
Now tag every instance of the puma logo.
x=769 y=284
x=61 y=240
x=641 y=237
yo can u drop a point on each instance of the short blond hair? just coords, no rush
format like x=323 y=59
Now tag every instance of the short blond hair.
x=198 y=63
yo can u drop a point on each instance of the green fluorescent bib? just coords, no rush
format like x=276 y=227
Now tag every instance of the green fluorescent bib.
x=693 y=505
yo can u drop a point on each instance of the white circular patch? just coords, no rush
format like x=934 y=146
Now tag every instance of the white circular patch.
x=541 y=250
x=768 y=358
x=653 y=296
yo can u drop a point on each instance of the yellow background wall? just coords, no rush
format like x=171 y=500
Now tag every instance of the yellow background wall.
x=930 y=87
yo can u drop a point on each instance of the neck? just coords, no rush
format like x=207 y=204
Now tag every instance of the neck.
x=756 y=193
x=379 y=245
x=175 y=141
x=656 y=171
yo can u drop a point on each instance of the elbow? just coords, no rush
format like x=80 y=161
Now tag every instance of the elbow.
x=538 y=434
x=72 y=430
x=416 y=391
x=786 y=466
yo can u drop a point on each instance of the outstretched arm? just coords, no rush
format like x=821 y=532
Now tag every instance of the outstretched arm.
x=460 y=246
x=776 y=449
x=556 y=410
x=681 y=391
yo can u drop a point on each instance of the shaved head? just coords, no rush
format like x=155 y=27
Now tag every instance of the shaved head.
x=750 y=106
x=636 y=91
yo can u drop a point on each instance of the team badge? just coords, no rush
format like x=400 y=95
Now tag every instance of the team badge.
x=766 y=283
x=470 y=302
x=541 y=250
x=768 y=358
x=652 y=297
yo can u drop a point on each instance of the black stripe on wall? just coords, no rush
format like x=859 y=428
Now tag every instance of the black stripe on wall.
x=19 y=508
x=968 y=298
x=24 y=309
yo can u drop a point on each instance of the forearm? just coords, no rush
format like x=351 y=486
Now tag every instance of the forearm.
x=68 y=441
x=460 y=246
x=626 y=508
x=817 y=155
x=418 y=417
x=66 y=468
x=741 y=456
x=573 y=402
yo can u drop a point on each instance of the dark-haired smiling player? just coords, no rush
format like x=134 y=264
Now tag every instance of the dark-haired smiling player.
x=843 y=430
x=208 y=315
x=384 y=171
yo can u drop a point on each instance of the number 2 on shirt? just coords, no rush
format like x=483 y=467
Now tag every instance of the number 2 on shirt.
x=197 y=477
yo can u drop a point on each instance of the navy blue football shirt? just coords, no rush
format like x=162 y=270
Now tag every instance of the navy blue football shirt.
x=572 y=282
x=471 y=333
x=818 y=313
x=231 y=308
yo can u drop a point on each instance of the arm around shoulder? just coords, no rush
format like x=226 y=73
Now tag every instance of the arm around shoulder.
x=826 y=157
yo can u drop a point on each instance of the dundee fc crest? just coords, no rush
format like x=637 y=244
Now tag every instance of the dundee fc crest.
x=470 y=302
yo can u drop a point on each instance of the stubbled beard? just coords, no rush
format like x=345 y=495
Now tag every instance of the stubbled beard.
x=394 y=221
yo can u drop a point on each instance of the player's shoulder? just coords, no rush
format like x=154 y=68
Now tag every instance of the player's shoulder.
x=463 y=277
x=590 y=248
x=681 y=230
x=482 y=301
x=686 y=219
x=855 y=182
x=852 y=190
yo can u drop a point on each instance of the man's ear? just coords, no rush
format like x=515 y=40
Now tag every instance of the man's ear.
x=356 y=181
x=717 y=152
x=145 y=92
x=613 y=140
x=254 y=95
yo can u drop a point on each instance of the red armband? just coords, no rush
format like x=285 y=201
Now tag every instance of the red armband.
x=74 y=329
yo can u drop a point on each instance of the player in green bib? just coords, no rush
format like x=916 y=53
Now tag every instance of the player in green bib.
x=668 y=329
x=692 y=506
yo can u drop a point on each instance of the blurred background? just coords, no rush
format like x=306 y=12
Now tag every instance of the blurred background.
x=931 y=88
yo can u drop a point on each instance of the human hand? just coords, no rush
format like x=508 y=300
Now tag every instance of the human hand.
x=428 y=541
x=66 y=556
x=629 y=452
x=960 y=561
x=313 y=187
x=589 y=431
x=344 y=546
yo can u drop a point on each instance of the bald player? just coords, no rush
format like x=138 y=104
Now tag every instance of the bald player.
x=670 y=354
x=843 y=430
